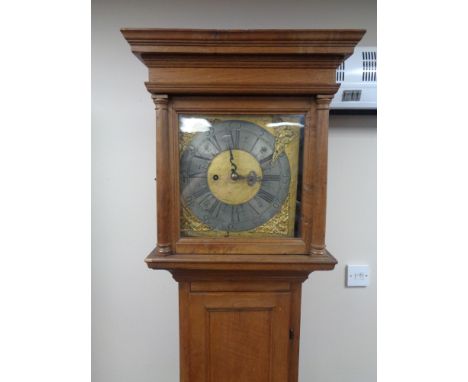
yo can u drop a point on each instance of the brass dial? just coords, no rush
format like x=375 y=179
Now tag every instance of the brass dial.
x=238 y=176
x=229 y=180
x=234 y=190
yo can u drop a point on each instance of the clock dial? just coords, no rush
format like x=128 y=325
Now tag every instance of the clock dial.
x=233 y=179
x=229 y=179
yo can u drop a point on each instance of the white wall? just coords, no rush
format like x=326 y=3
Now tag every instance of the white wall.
x=135 y=311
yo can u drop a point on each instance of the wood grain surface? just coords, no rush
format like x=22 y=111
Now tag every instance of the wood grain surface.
x=239 y=298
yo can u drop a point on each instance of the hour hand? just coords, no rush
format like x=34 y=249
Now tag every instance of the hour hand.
x=251 y=177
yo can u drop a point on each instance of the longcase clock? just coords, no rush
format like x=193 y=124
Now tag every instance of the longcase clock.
x=242 y=127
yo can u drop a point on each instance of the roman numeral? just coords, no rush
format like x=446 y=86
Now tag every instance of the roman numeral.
x=267 y=159
x=271 y=178
x=251 y=206
x=235 y=215
x=200 y=192
x=235 y=138
x=201 y=157
x=201 y=174
x=255 y=143
x=215 y=208
x=265 y=195
x=215 y=142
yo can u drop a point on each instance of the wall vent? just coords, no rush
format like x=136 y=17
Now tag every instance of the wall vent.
x=369 y=66
x=351 y=95
x=357 y=81
x=340 y=73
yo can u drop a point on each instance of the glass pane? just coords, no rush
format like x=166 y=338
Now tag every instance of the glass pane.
x=240 y=175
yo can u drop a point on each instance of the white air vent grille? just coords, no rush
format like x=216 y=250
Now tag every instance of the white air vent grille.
x=340 y=73
x=357 y=80
x=351 y=95
x=369 y=66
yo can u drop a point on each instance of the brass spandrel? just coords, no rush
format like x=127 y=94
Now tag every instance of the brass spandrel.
x=184 y=141
x=278 y=225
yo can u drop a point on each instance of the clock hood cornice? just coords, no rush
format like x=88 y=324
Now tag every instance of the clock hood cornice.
x=250 y=41
x=204 y=61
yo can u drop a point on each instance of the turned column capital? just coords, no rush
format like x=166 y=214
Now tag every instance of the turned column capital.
x=323 y=101
x=160 y=100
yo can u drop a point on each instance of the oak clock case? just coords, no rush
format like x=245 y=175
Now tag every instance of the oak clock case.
x=239 y=175
x=241 y=145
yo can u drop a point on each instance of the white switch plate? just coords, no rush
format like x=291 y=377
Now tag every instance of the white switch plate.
x=357 y=276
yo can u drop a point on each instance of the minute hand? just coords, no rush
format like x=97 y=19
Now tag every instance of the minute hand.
x=233 y=165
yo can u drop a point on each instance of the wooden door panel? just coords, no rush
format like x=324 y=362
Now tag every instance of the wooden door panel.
x=239 y=345
x=241 y=337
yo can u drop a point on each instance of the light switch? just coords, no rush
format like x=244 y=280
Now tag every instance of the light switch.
x=357 y=276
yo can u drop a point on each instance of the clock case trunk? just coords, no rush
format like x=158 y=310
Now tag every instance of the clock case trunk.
x=239 y=300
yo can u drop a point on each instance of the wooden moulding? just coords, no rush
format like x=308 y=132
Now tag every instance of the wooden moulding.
x=270 y=264
x=273 y=62
x=259 y=41
x=241 y=88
